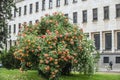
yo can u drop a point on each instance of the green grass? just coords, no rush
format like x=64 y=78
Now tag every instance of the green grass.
x=33 y=75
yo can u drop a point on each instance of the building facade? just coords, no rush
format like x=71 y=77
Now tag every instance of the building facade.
x=100 y=19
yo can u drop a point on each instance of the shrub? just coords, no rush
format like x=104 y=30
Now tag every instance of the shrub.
x=52 y=45
x=8 y=59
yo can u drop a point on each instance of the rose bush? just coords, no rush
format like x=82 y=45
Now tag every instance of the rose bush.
x=51 y=45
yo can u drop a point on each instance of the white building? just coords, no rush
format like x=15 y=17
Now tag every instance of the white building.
x=100 y=19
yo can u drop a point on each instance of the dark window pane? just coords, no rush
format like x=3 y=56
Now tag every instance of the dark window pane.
x=37 y=6
x=31 y=8
x=95 y=17
x=43 y=4
x=9 y=29
x=118 y=40
x=117 y=10
x=19 y=11
x=50 y=4
x=75 y=17
x=66 y=2
x=66 y=15
x=58 y=3
x=117 y=59
x=108 y=41
x=14 y=28
x=74 y=1
x=85 y=16
x=106 y=12
x=19 y=27
x=14 y=13
x=25 y=10
x=97 y=41
x=105 y=59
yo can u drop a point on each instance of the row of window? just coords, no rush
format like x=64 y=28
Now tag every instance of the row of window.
x=108 y=41
x=106 y=13
x=43 y=6
x=95 y=14
x=19 y=27
x=106 y=60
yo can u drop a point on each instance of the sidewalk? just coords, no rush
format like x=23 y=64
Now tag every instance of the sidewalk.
x=111 y=71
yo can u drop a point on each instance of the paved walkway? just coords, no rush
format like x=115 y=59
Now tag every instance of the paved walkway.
x=110 y=71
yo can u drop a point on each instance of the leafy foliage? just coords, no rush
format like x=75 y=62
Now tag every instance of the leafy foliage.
x=8 y=59
x=5 y=15
x=52 y=44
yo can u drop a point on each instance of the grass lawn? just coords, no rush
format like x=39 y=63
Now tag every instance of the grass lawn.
x=33 y=75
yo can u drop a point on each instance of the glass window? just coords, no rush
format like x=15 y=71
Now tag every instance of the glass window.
x=43 y=4
x=106 y=12
x=105 y=59
x=74 y=1
x=19 y=11
x=97 y=41
x=50 y=4
x=85 y=16
x=108 y=41
x=117 y=10
x=9 y=29
x=118 y=40
x=25 y=10
x=117 y=59
x=31 y=8
x=74 y=17
x=58 y=3
x=19 y=27
x=95 y=17
x=14 y=28
x=37 y=6
x=14 y=13
x=65 y=2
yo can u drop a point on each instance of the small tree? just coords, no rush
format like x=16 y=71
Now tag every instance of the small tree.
x=54 y=46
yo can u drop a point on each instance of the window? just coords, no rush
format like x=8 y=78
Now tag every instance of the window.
x=25 y=10
x=58 y=3
x=50 y=4
x=19 y=27
x=118 y=10
x=14 y=28
x=30 y=22
x=19 y=11
x=74 y=1
x=85 y=16
x=118 y=40
x=9 y=29
x=65 y=2
x=105 y=59
x=95 y=17
x=37 y=7
x=36 y=21
x=31 y=8
x=14 y=13
x=75 y=17
x=43 y=4
x=97 y=41
x=66 y=15
x=10 y=43
x=117 y=59
x=106 y=12
x=108 y=41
